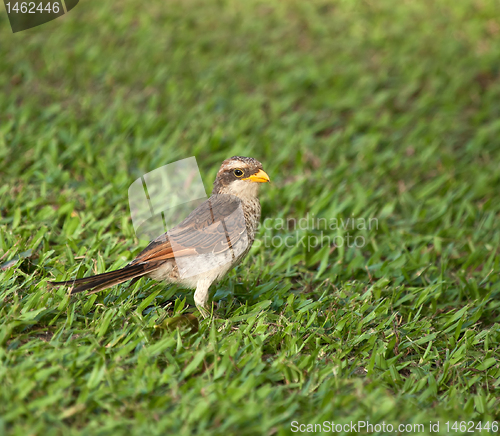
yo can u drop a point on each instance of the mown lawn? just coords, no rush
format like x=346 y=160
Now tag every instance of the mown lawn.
x=382 y=110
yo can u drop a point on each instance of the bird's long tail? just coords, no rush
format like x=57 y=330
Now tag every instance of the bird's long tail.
x=106 y=280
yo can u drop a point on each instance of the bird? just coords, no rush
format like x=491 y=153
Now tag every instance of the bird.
x=201 y=249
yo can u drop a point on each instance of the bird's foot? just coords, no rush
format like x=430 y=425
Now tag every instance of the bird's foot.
x=205 y=312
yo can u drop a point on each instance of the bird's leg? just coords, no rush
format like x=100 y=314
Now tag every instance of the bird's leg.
x=201 y=297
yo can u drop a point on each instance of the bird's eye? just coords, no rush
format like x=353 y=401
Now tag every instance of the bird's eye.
x=238 y=173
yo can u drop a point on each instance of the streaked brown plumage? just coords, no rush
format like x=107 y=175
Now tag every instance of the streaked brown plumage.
x=214 y=238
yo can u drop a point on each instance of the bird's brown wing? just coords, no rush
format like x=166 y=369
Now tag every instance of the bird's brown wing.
x=213 y=227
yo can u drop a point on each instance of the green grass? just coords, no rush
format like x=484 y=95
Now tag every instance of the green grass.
x=386 y=110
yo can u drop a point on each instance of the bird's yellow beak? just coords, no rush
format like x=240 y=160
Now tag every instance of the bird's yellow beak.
x=259 y=177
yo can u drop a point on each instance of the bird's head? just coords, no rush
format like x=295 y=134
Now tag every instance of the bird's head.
x=240 y=176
